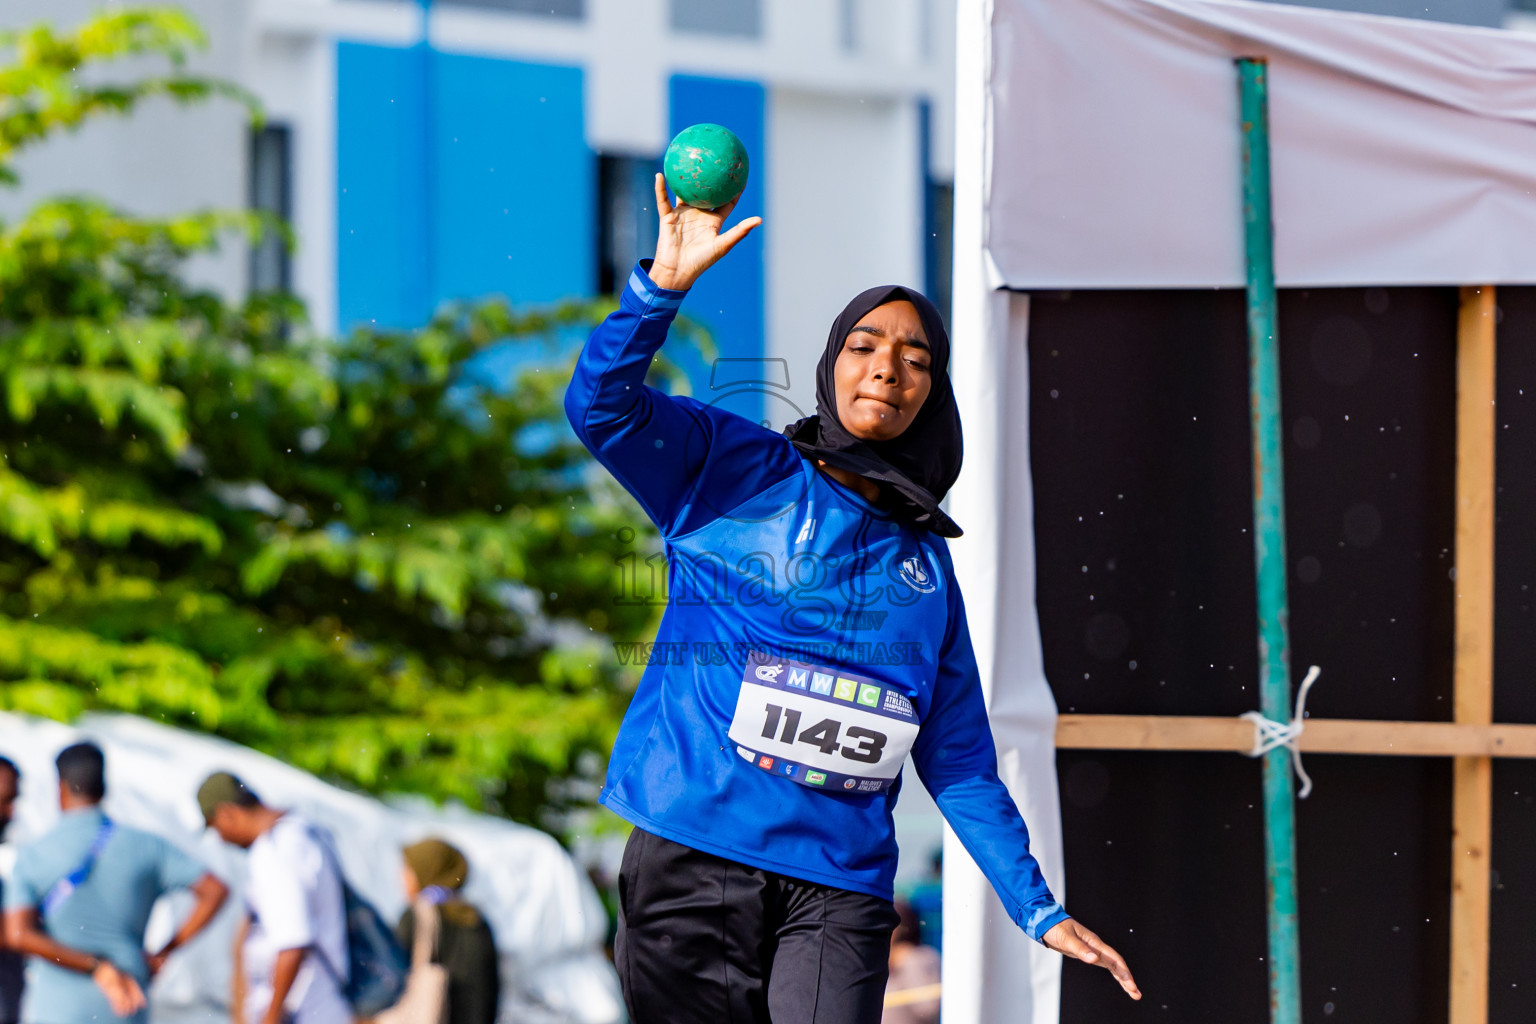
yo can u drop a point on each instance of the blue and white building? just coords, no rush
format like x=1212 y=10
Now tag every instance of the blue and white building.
x=429 y=150
x=452 y=149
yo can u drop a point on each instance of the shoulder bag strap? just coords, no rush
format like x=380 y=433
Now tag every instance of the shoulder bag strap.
x=424 y=946
x=65 y=887
x=333 y=862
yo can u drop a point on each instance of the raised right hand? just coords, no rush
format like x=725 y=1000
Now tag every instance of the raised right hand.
x=690 y=241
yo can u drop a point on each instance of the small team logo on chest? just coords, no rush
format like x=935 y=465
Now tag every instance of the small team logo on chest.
x=916 y=576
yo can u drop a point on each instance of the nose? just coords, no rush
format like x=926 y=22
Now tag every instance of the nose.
x=884 y=368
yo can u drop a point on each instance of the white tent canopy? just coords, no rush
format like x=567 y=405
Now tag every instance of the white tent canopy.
x=547 y=919
x=1098 y=146
x=1404 y=151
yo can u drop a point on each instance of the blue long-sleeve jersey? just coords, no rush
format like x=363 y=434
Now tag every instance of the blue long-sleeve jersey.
x=809 y=641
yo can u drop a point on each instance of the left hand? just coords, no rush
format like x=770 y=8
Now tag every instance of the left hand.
x=1071 y=939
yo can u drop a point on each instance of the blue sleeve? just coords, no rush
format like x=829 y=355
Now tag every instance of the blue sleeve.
x=957 y=761
x=21 y=892
x=177 y=869
x=687 y=463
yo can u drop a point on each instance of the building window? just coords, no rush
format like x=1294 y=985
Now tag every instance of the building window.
x=573 y=10
x=848 y=25
x=626 y=217
x=720 y=17
x=938 y=219
x=271 y=192
x=940 y=248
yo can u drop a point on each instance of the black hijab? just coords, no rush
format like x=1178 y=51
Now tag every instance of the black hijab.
x=918 y=467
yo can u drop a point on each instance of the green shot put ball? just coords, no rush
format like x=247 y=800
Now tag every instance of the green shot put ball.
x=706 y=166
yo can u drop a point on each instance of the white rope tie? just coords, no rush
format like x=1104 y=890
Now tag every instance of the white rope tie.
x=1269 y=734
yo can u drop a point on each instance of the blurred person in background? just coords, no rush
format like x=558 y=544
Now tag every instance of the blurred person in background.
x=79 y=901
x=433 y=874
x=927 y=901
x=912 y=993
x=291 y=958
x=10 y=960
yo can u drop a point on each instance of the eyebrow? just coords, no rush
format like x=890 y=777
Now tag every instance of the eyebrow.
x=914 y=341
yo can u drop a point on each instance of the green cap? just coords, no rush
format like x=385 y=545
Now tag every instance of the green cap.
x=223 y=788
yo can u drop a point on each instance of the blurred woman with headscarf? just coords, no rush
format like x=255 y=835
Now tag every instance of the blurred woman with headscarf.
x=433 y=874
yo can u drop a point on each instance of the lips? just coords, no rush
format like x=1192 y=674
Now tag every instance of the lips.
x=882 y=401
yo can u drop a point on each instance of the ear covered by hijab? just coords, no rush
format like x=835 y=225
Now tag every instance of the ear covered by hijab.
x=916 y=468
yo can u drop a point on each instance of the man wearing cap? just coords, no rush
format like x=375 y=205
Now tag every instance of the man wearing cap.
x=291 y=959
x=79 y=901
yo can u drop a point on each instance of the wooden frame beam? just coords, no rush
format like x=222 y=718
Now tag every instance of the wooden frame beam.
x=1472 y=740
x=1472 y=784
x=1321 y=736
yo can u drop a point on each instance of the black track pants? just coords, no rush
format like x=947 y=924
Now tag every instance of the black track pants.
x=704 y=940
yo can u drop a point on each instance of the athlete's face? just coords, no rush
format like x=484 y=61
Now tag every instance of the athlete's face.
x=882 y=374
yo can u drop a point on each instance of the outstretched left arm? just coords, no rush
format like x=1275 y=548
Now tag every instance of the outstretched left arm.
x=957 y=761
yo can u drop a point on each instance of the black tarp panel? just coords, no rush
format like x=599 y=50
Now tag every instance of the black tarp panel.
x=1512 y=967
x=1142 y=477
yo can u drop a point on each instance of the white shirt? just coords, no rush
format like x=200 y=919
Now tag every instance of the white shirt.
x=294 y=894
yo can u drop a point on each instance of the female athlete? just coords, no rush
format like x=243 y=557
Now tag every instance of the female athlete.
x=814 y=638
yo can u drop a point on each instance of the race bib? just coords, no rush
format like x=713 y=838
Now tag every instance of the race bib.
x=821 y=727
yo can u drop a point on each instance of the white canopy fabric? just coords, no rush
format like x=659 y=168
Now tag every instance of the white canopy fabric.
x=1098 y=146
x=1404 y=151
x=547 y=919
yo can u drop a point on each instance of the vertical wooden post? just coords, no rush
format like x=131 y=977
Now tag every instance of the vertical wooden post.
x=1473 y=807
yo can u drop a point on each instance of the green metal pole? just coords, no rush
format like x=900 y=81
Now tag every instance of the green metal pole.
x=1269 y=543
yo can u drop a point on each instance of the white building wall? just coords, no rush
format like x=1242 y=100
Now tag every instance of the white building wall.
x=294 y=75
x=845 y=213
x=166 y=159
x=823 y=95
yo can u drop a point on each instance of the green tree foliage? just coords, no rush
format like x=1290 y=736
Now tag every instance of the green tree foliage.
x=355 y=554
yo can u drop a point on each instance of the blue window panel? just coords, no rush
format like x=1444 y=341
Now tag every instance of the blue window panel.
x=728 y=300
x=380 y=252
x=514 y=182
x=485 y=190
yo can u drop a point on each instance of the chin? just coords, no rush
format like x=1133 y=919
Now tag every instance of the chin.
x=876 y=431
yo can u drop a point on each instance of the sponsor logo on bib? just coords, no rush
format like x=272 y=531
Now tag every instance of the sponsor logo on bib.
x=846 y=689
x=821 y=683
x=816 y=778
